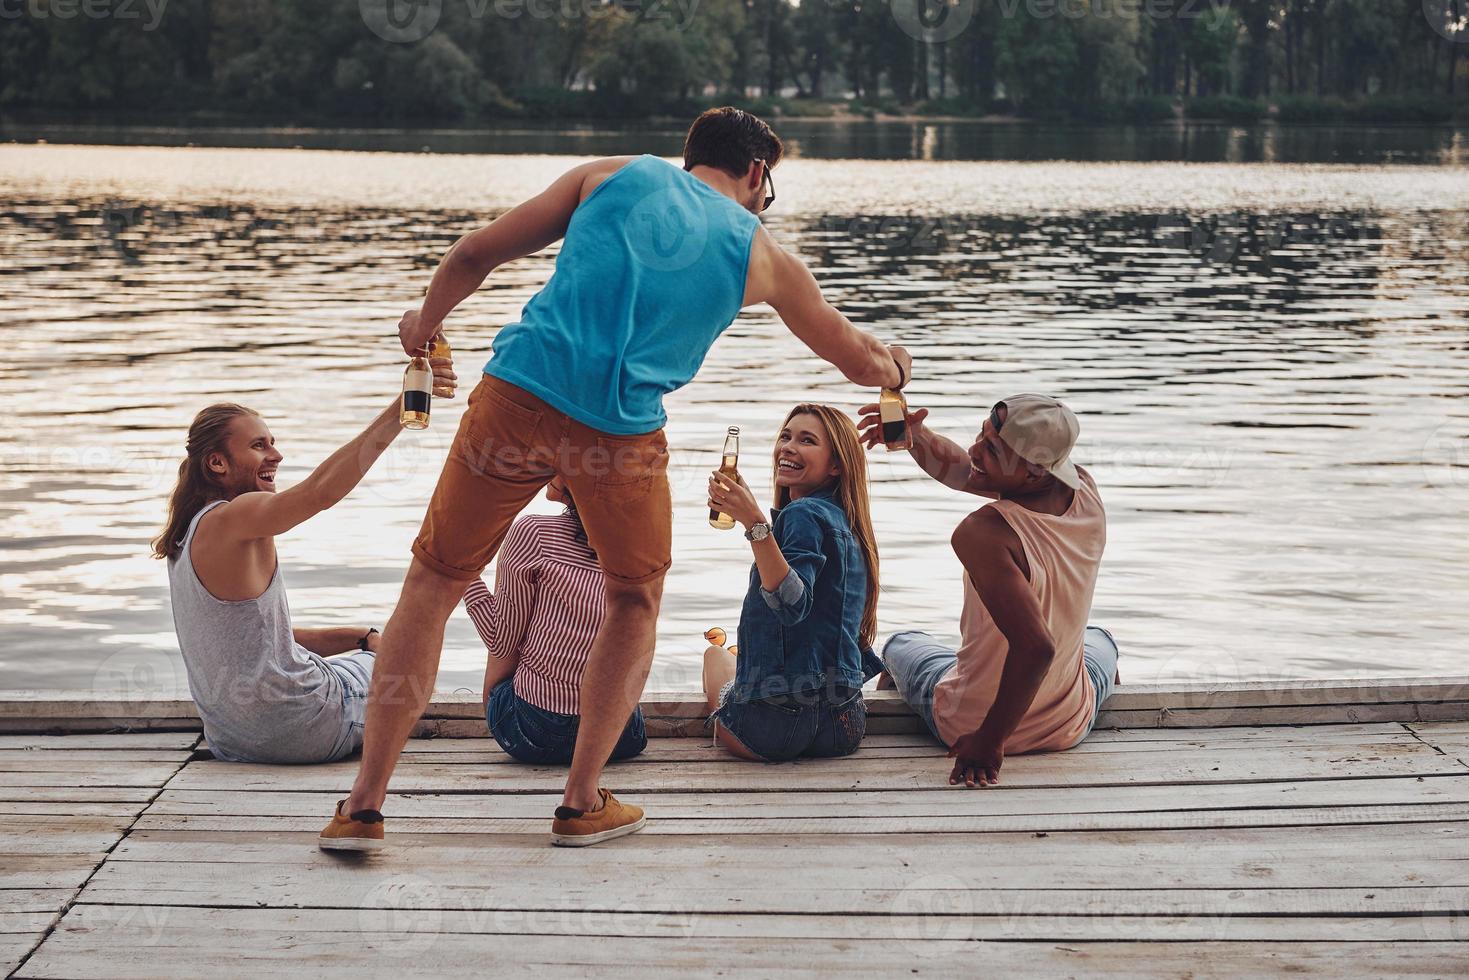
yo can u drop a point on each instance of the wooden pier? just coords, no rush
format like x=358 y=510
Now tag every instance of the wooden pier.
x=1235 y=831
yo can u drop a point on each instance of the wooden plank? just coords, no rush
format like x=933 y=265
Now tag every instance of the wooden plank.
x=25 y=923
x=1325 y=714
x=1456 y=747
x=47 y=760
x=74 y=954
x=29 y=834
x=82 y=774
x=1247 y=733
x=1452 y=738
x=97 y=794
x=69 y=725
x=486 y=751
x=785 y=826
x=1430 y=728
x=86 y=704
x=82 y=949
x=63 y=760
x=1304 y=701
x=35 y=899
x=70 y=808
x=1183 y=766
x=253 y=885
x=1306 y=691
x=49 y=871
x=795 y=874
x=940 y=896
x=13 y=949
x=935 y=802
x=127 y=741
x=1141 y=739
x=883 y=723
x=241 y=929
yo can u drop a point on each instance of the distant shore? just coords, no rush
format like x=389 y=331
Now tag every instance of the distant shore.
x=584 y=110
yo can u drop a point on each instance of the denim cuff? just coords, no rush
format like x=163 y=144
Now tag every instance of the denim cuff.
x=788 y=593
x=872 y=664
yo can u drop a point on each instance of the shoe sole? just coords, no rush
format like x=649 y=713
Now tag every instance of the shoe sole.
x=349 y=844
x=585 y=840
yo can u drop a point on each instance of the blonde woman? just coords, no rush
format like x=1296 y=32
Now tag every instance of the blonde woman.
x=810 y=614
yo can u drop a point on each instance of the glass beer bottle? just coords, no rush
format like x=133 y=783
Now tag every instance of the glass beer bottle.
x=729 y=466
x=439 y=347
x=892 y=410
x=418 y=386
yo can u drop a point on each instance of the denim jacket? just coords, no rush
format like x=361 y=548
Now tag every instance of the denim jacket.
x=804 y=636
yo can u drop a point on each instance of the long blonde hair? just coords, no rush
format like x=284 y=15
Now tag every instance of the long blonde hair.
x=195 y=486
x=850 y=494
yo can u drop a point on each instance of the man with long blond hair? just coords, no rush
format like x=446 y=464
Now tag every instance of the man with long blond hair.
x=266 y=691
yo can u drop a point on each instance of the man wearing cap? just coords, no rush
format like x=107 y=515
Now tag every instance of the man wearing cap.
x=1030 y=674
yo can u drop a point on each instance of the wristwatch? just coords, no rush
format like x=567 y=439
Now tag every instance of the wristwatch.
x=758 y=532
x=362 y=643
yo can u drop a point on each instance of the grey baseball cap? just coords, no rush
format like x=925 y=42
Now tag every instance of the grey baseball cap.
x=1042 y=431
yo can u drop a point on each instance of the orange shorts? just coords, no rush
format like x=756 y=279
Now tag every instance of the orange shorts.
x=510 y=444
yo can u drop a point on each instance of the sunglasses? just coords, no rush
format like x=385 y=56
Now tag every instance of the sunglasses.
x=995 y=417
x=768 y=179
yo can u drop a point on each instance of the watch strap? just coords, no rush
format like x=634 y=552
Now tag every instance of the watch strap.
x=750 y=534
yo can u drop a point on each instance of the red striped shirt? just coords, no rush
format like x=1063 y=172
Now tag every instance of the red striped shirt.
x=545 y=611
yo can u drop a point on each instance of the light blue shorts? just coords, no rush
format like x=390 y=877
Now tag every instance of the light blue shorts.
x=354 y=670
x=917 y=662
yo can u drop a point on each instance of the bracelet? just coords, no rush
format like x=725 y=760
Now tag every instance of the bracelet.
x=362 y=643
x=902 y=379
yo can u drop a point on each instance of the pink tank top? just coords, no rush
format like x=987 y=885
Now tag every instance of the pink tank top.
x=1064 y=553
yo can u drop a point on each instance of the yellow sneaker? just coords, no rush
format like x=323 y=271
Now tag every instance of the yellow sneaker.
x=577 y=828
x=361 y=831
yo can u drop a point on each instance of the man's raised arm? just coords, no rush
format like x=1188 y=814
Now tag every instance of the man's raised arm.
x=782 y=280
x=264 y=515
x=939 y=456
x=523 y=230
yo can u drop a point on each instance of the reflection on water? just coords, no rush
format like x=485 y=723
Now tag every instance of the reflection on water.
x=1269 y=363
x=1200 y=142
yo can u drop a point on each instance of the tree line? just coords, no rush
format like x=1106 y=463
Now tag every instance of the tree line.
x=316 y=60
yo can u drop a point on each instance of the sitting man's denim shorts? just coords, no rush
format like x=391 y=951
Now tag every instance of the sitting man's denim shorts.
x=545 y=738
x=820 y=723
x=917 y=662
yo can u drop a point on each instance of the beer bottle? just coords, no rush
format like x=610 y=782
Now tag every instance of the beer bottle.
x=892 y=410
x=439 y=347
x=729 y=466
x=418 y=384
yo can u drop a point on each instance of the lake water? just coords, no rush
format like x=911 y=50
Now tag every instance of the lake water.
x=1270 y=361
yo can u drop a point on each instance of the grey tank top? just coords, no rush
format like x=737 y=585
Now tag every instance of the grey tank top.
x=262 y=696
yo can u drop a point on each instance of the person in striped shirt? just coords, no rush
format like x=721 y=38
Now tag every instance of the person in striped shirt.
x=538 y=626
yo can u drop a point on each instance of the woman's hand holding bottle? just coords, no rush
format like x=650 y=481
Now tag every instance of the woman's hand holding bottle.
x=732 y=496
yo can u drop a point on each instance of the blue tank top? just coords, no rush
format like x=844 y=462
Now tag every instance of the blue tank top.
x=651 y=272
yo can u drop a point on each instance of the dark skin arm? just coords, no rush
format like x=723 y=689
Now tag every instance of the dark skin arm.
x=995 y=560
x=940 y=457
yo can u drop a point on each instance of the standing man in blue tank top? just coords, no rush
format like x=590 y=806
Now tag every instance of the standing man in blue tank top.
x=656 y=263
